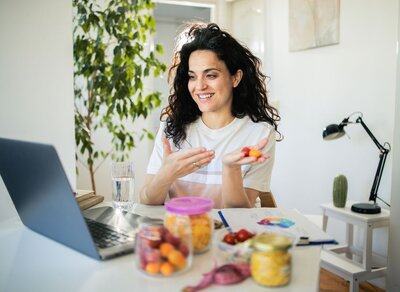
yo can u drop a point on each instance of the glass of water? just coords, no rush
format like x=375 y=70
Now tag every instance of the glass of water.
x=123 y=185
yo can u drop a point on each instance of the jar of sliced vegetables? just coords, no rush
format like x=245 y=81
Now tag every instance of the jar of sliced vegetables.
x=270 y=262
x=194 y=210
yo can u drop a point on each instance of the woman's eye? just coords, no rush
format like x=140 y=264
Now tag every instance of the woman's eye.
x=211 y=76
x=191 y=77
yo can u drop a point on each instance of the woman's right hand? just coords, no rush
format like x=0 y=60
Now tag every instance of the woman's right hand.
x=237 y=158
x=180 y=163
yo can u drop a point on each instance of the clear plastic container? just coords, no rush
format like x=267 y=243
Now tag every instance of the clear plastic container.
x=159 y=252
x=232 y=253
x=270 y=262
x=195 y=212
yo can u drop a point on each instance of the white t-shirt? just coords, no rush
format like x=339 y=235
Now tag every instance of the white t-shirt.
x=206 y=181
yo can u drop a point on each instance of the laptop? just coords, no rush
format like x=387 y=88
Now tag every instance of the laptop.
x=45 y=202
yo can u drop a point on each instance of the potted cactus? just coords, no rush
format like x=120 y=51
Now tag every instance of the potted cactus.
x=339 y=191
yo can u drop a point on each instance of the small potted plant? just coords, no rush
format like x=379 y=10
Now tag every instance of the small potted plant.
x=339 y=191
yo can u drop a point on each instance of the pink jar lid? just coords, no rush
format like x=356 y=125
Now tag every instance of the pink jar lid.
x=189 y=205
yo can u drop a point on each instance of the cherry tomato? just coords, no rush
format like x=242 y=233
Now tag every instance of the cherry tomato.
x=243 y=235
x=230 y=238
x=255 y=153
x=246 y=151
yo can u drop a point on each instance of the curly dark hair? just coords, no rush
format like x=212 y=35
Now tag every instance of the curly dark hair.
x=249 y=97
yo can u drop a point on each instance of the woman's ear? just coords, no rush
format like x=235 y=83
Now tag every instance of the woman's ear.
x=237 y=77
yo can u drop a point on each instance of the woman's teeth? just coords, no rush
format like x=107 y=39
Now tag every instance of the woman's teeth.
x=205 y=96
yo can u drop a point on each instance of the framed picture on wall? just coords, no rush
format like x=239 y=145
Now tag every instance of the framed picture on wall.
x=313 y=23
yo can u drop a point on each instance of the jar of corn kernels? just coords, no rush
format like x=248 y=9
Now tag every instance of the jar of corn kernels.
x=194 y=210
x=270 y=262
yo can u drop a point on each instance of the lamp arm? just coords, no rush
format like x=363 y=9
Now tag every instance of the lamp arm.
x=382 y=159
x=360 y=120
x=374 y=190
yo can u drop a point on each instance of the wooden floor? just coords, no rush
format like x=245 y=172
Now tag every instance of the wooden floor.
x=332 y=283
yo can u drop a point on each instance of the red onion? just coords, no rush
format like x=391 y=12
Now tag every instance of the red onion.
x=227 y=274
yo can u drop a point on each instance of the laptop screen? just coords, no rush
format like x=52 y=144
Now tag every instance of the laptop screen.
x=40 y=190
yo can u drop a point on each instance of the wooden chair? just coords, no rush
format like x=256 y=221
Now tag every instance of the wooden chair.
x=267 y=200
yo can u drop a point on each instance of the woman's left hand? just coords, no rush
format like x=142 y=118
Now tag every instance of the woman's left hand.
x=239 y=157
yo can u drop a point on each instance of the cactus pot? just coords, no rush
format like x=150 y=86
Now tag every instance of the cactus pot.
x=339 y=191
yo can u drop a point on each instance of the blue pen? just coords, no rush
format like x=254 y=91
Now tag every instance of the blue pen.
x=304 y=242
x=224 y=221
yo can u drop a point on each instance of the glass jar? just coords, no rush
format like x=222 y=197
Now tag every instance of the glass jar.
x=159 y=252
x=270 y=262
x=195 y=212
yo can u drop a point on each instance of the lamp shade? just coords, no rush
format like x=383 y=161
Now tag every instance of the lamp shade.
x=333 y=131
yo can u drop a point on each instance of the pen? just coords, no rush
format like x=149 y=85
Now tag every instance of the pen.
x=305 y=241
x=224 y=221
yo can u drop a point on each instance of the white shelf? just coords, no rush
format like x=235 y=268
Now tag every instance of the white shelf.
x=339 y=259
x=342 y=264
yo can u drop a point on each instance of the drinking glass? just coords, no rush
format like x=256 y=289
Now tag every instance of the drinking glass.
x=123 y=185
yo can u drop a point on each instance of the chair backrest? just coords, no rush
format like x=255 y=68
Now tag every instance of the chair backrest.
x=267 y=199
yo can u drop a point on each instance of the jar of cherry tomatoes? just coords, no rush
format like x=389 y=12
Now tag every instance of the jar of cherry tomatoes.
x=270 y=261
x=195 y=212
x=159 y=252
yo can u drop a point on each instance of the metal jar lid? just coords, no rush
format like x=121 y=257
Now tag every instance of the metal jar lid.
x=272 y=242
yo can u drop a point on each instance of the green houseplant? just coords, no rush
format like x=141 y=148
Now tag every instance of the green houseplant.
x=111 y=61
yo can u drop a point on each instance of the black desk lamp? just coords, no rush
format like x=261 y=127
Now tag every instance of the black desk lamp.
x=334 y=131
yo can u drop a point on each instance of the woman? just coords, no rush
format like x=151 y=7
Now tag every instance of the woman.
x=218 y=105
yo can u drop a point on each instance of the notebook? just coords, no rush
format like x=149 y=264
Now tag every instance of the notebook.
x=45 y=202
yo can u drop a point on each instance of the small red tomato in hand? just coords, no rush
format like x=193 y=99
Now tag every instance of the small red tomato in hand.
x=255 y=153
x=246 y=151
x=230 y=238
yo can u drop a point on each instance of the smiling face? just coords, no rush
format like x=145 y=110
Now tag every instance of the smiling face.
x=211 y=84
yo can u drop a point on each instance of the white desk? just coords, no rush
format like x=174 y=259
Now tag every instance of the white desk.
x=341 y=260
x=31 y=262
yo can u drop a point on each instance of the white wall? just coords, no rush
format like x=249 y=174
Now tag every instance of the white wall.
x=250 y=29
x=394 y=234
x=322 y=86
x=36 y=77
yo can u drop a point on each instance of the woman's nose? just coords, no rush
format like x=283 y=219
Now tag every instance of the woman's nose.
x=201 y=84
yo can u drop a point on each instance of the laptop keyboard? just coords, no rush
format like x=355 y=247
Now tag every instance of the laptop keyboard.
x=105 y=236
